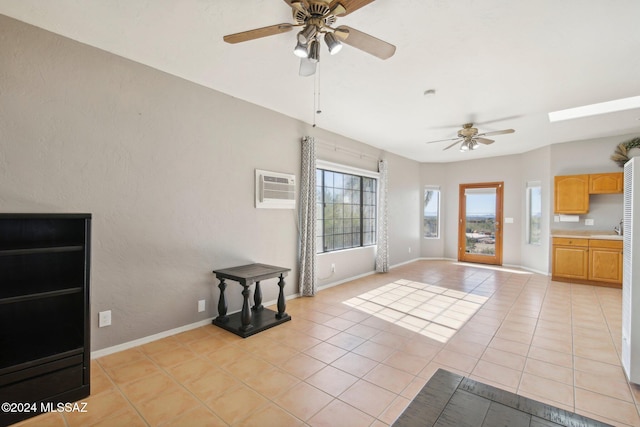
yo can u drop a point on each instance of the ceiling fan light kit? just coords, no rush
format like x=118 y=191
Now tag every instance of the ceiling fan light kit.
x=469 y=145
x=314 y=51
x=333 y=44
x=317 y=17
x=301 y=50
x=307 y=34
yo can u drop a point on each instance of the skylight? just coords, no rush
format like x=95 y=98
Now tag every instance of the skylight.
x=595 y=109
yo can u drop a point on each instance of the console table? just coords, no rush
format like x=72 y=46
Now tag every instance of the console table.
x=256 y=319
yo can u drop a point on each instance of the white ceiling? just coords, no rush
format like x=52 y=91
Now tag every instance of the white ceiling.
x=503 y=63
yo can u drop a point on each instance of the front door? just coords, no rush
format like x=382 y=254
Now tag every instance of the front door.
x=479 y=223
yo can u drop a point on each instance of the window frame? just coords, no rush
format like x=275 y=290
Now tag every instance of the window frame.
x=529 y=188
x=361 y=173
x=438 y=211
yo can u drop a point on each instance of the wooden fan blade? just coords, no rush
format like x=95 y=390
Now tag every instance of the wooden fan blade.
x=257 y=33
x=497 y=132
x=348 y=5
x=472 y=119
x=499 y=119
x=307 y=67
x=365 y=42
x=484 y=141
x=459 y=140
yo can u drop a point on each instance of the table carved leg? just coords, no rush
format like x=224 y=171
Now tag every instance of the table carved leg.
x=257 y=298
x=282 y=306
x=254 y=317
x=222 y=304
x=246 y=311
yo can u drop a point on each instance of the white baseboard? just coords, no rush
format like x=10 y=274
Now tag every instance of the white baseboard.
x=145 y=340
x=339 y=282
x=528 y=269
x=405 y=262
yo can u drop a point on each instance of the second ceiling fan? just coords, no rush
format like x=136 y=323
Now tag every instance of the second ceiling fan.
x=316 y=18
x=470 y=138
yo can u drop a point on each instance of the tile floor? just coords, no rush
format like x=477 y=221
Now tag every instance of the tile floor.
x=356 y=354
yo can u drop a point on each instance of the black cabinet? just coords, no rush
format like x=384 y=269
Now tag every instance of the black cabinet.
x=44 y=310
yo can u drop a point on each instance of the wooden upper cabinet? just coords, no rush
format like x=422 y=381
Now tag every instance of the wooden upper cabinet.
x=571 y=194
x=606 y=183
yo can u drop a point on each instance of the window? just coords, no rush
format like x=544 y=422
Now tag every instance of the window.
x=534 y=212
x=346 y=210
x=431 y=212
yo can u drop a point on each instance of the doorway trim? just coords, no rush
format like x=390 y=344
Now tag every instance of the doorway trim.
x=463 y=256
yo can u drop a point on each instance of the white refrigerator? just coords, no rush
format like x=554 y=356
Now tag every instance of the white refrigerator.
x=631 y=272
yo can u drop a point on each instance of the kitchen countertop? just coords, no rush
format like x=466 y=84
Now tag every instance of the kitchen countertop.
x=586 y=234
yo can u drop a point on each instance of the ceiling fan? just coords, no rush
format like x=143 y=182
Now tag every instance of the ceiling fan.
x=316 y=18
x=470 y=137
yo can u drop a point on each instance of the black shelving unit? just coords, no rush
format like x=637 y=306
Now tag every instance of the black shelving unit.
x=44 y=310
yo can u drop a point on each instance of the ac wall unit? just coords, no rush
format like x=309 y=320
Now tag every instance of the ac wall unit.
x=275 y=190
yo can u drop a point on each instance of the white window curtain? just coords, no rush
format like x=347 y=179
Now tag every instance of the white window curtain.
x=382 y=254
x=307 y=256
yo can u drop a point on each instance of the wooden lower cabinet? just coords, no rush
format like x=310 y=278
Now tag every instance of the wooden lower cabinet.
x=605 y=261
x=590 y=261
x=570 y=258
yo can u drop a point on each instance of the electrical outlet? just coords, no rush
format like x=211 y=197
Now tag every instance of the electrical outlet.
x=589 y=221
x=201 y=306
x=104 y=319
x=333 y=268
x=409 y=249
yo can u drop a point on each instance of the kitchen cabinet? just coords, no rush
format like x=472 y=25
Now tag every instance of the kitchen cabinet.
x=571 y=194
x=570 y=258
x=605 y=261
x=606 y=183
x=584 y=260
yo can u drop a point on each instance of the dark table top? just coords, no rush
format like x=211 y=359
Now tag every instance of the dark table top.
x=251 y=272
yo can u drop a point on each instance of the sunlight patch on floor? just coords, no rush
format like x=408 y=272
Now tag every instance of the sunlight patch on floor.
x=429 y=310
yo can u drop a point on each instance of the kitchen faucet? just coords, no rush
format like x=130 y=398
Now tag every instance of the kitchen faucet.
x=618 y=230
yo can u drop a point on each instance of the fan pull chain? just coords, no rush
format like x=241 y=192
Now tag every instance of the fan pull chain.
x=316 y=94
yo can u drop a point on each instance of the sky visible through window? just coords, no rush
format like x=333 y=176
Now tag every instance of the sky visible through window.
x=536 y=201
x=481 y=204
x=431 y=208
x=478 y=204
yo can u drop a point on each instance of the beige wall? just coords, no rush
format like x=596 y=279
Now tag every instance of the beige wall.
x=165 y=166
x=505 y=169
x=435 y=174
x=449 y=177
x=590 y=156
x=535 y=167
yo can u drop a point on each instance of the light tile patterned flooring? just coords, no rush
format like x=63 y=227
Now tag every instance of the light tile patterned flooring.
x=356 y=354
